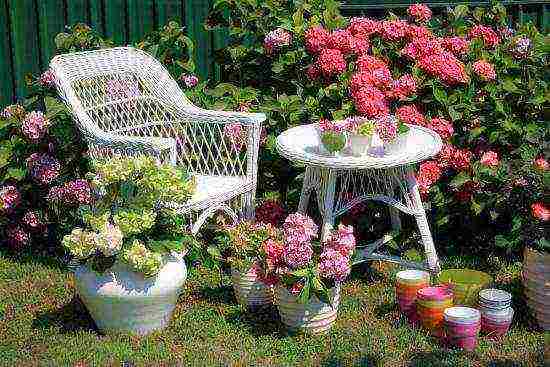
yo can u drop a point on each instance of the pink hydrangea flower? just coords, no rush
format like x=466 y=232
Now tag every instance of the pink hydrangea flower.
x=460 y=159
x=340 y=39
x=236 y=134
x=47 y=79
x=441 y=126
x=277 y=39
x=35 y=125
x=386 y=128
x=359 y=46
x=274 y=252
x=422 y=47
x=486 y=34
x=394 y=30
x=331 y=62
x=379 y=78
x=371 y=102
x=541 y=164
x=428 y=174
x=313 y=72
x=444 y=66
x=484 y=70
x=10 y=198
x=418 y=32
x=367 y=63
x=17 y=237
x=410 y=114
x=297 y=254
x=333 y=265
x=364 y=27
x=419 y=12
x=190 y=80
x=43 y=168
x=402 y=88
x=457 y=45
x=299 y=228
x=490 y=159
x=316 y=39
x=540 y=211
x=342 y=240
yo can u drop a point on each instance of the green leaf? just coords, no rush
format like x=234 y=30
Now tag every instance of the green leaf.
x=300 y=273
x=214 y=252
x=54 y=107
x=440 y=95
x=16 y=173
x=460 y=179
x=303 y=298
x=509 y=85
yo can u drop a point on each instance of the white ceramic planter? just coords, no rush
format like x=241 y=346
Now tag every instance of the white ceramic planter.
x=359 y=144
x=314 y=317
x=536 y=283
x=249 y=291
x=121 y=300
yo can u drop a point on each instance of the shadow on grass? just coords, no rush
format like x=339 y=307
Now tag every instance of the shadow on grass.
x=368 y=360
x=446 y=358
x=222 y=294
x=262 y=320
x=50 y=258
x=365 y=272
x=71 y=317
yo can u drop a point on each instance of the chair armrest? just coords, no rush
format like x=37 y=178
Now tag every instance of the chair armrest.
x=154 y=146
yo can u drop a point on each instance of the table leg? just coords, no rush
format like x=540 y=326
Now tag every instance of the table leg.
x=306 y=190
x=423 y=227
x=326 y=201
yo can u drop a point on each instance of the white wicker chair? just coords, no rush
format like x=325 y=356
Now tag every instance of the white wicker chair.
x=125 y=102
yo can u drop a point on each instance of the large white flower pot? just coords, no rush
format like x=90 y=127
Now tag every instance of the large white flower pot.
x=249 y=291
x=313 y=317
x=536 y=284
x=121 y=300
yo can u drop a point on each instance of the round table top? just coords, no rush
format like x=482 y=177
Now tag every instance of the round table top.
x=301 y=144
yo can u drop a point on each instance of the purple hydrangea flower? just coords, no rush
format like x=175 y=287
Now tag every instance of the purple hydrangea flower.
x=333 y=265
x=10 y=198
x=33 y=221
x=190 y=80
x=43 y=168
x=299 y=228
x=342 y=240
x=122 y=89
x=77 y=192
x=386 y=127
x=17 y=237
x=35 y=125
x=277 y=39
x=521 y=47
x=47 y=79
x=297 y=254
x=235 y=133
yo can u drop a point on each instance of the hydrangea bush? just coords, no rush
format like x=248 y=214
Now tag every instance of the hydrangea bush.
x=478 y=83
x=126 y=218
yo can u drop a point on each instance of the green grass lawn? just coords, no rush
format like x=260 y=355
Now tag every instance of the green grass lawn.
x=42 y=322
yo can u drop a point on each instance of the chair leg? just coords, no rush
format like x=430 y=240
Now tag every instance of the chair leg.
x=249 y=205
x=207 y=213
x=305 y=194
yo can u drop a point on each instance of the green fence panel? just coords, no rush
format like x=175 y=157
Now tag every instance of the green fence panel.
x=78 y=11
x=6 y=79
x=167 y=10
x=24 y=42
x=195 y=14
x=97 y=14
x=115 y=21
x=51 y=22
x=141 y=18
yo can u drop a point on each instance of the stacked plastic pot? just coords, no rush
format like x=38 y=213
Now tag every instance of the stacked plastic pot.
x=496 y=312
x=431 y=302
x=462 y=325
x=408 y=283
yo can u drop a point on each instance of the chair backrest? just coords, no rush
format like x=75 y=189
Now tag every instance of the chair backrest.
x=116 y=89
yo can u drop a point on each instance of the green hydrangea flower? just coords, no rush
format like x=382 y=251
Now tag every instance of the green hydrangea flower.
x=81 y=244
x=141 y=259
x=367 y=128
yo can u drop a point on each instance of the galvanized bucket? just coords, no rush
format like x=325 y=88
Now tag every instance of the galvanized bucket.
x=250 y=291
x=314 y=317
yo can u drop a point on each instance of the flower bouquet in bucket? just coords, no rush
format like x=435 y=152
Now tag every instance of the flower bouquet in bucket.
x=309 y=273
x=244 y=243
x=332 y=136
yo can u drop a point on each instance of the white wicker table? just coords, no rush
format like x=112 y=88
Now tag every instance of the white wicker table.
x=342 y=182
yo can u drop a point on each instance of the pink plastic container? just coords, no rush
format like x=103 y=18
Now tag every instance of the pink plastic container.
x=462 y=326
x=407 y=284
x=494 y=329
x=437 y=293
